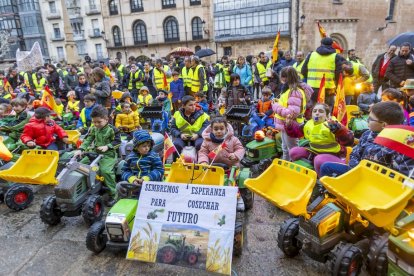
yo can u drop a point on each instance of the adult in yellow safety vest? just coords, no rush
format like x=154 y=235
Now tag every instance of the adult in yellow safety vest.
x=226 y=66
x=120 y=72
x=300 y=60
x=356 y=79
x=188 y=124
x=199 y=77
x=135 y=81
x=262 y=66
x=39 y=83
x=352 y=57
x=186 y=75
x=162 y=74
x=323 y=61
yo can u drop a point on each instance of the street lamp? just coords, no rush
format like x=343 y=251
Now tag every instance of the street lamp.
x=299 y=25
x=206 y=31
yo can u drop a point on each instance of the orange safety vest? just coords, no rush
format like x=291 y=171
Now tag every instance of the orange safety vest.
x=264 y=106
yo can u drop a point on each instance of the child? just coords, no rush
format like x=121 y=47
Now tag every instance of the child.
x=163 y=100
x=82 y=89
x=144 y=98
x=381 y=115
x=214 y=135
x=73 y=104
x=177 y=90
x=101 y=89
x=264 y=107
x=128 y=120
x=104 y=139
x=85 y=119
x=41 y=131
x=367 y=98
x=5 y=110
x=327 y=138
x=142 y=164
x=411 y=106
x=394 y=95
x=201 y=101
x=17 y=122
x=237 y=94
x=222 y=98
x=59 y=107
x=188 y=124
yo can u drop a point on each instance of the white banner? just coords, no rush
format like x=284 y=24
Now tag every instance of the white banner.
x=185 y=225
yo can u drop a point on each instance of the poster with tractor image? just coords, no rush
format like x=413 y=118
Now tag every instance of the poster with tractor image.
x=185 y=225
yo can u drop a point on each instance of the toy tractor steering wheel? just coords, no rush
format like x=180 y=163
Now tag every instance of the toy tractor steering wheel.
x=126 y=189
x=91 y=155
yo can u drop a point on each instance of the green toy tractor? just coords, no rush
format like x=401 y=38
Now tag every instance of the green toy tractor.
x=176 y=249
x=259 y=150
x=358 y=123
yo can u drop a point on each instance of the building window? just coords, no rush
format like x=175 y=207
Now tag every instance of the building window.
x=168 y=4
x=227 y=51
x=197 y=48
x=52 y=7
x=116 y=33
x=81 y=47
x=56 y=30
x=113 y=8
x=136 y=6
x=197 y=26
x=171 y=29
x=99 y=52
x=140 y=32
x=28 y=5
x=61 y=54
x=195 y=2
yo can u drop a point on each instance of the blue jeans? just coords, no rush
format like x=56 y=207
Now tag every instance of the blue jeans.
x=333 y=169
x=52 y=146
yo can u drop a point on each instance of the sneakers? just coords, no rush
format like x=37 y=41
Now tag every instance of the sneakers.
x=240 y=204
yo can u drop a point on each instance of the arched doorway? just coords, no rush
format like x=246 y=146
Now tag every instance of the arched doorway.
x=341 y=40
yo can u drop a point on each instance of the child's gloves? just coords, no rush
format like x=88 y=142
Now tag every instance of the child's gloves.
x=334 y=126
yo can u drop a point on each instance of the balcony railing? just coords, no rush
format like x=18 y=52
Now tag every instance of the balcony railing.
x=53 y=15
x=79 y=36
x=95 y=33
x=74 y=12
x=56 y=37
x=93 y=9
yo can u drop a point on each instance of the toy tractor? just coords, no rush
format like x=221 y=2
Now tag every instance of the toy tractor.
x=78 y=192
x=358 y=123
x=34 y=167
x=175 y=249
x=239 y=115
x=158 y=118
x=340 y=226
x=117 y=228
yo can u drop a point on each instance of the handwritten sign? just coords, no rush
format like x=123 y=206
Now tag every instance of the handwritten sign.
x=185 y=225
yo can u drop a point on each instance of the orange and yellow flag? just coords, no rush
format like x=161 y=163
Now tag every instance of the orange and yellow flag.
x=321 y=94
x=275 y=50
x=323 y=34
x=108 y=73
x=48 y=100
x=339 y=110
x=168 y=147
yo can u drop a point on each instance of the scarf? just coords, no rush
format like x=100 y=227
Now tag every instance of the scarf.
x=215 y=140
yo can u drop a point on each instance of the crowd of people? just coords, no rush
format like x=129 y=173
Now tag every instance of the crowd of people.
x=192 y=91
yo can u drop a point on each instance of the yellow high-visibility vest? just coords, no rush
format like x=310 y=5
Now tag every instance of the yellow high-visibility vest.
x=185 y=127
x=159 y=77
x=320 y=137
x=137 y=84
x=262 y=70
x=298 y=68
x=186 y=76
x=318 y=66
x=195 y=82
x=283 y=101
x=38 y=85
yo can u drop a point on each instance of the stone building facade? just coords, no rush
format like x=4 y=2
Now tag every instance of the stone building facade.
x=151 y=29
x=365 y=26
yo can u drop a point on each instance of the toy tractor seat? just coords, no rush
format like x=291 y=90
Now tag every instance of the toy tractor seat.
x=239 y=113
x=195 y=174
x=73 y=136
x=151 y=112
x=349 y=109
x=376 y=192
x=33 y=167
x=287 y=185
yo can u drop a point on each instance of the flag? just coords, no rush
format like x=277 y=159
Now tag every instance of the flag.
x=6 y=85
x=168 y=147
x=165 y=82
x=339 y=110
x=108 y=73
x=321 y=95
x=275 y=50
x=212 y=155
x=323 y=34
x=48 y=100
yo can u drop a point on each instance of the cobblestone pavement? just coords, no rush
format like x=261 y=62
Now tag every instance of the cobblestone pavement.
x=29 y=247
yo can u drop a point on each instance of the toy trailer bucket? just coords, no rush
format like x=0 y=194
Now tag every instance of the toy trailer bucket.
x=73 y=136
x=152 y=112
x=33 y=167
x=5 y=154
x=287 y=185
x=239 y=113
x=377 y=193
x=195 y=174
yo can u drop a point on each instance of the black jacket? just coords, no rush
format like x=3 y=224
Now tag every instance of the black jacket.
x=399 y=71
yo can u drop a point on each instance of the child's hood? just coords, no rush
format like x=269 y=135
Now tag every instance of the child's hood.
x=207 y=131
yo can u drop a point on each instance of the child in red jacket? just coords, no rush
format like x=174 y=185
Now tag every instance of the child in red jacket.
x=41 y=131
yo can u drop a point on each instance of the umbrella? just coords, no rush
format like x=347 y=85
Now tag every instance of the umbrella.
x=204 y=53
x=401 y=38
x=181 y=52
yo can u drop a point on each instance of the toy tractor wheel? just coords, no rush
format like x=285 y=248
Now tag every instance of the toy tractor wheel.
x=93 y=209
x=248 y=198
x=1 y=195
x=238 y=235
x=286 y=238
x=377 y=261
x=18 y=197
x=167 y=255
x=345 y=259
x=192 y=258
x=96 y=238
x=49 y=212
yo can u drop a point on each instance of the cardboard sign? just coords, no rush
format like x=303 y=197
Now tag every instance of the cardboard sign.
x=185 y=225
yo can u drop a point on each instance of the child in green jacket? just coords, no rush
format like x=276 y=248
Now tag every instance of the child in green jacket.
x=106 y=140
